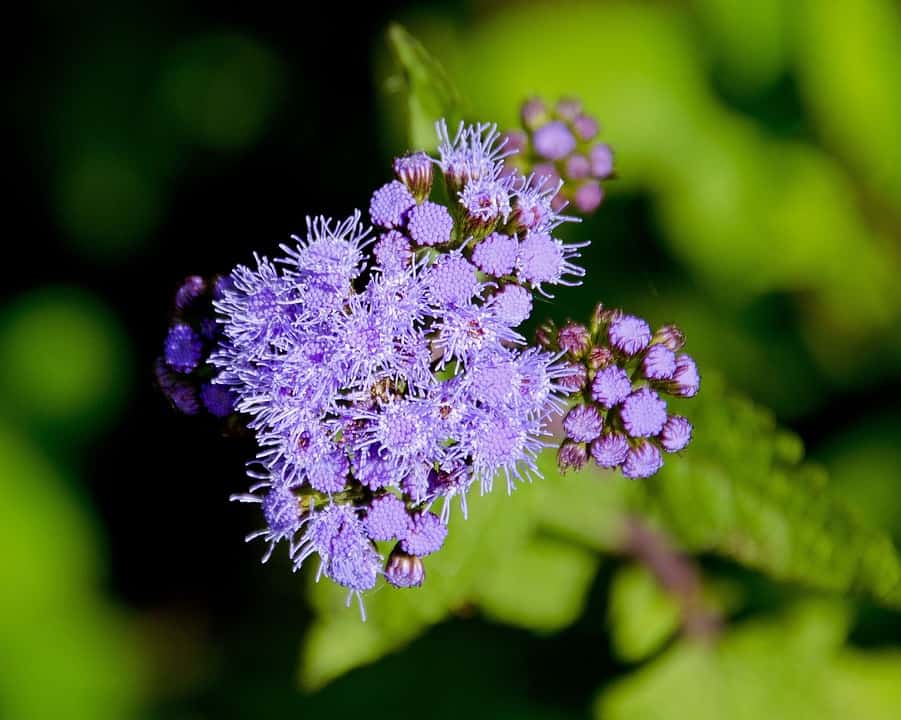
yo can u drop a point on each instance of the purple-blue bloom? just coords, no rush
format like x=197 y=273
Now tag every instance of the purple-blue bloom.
x=430 y=224
x=183 y=348
x=390 y=203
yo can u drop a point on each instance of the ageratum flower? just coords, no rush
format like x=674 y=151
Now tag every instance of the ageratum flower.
x=381 y=374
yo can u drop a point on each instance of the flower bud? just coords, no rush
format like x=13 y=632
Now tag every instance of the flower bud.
x=669 y=336
x=574 y=339
x=533 y=113
x=599 y=357
x=415 y=171
x=572 y=455
x=569 y=108
x=404 y=570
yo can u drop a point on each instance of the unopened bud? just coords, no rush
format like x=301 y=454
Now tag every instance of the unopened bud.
x=404 y=570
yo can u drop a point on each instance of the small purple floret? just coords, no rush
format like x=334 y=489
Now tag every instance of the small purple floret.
x=642 y=461
x=676 y=434
x=583 y=423
x=430 y=224
x=390 y=203
x=610 y=450
x=629 y=334
x=183 y=348
x=611 y=386
x=643 y=413
x=426 y=535
x=554 y=141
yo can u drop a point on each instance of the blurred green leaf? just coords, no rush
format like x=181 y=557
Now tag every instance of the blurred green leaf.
x=430 y=95
x=642 y=615
x=849 y=62
x=741 y=491
x=65 y=651
x=792 y=667
x=64 y=360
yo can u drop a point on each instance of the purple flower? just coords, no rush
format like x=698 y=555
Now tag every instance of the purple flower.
x=686 y=381
x=533 y=113
x=476 y=151
x=486 y=201
x=390 y=203
x=404 y=570
x=512 y=305
x=183 y=348
x=670 y=337
x=676 y=434
x=502 y=444
x=336 y=534
x=583 y=423
x=465 y=331
x=642 y=461
x=425 y=536
x=452 y=281
x=610 y=450
x=643 y=413
x=588 y=197
x=387 y=518
x=585 y=127
x=372 y=470
x=574 y=339
x=569 y=108
x=281 y=512
x=533 y=201
x=553 y=141
x=189 y=292
x=415 y=171
x=575 y=379
x=217 y=399
x=430 y=224
x=659 y=363
x=629 y=334
x=392 y=251
x=496 y=254
x=578 y=167
x=544 y=259
x=328 y=474
x=601 y=157
x=611 y=386
x=572 y=455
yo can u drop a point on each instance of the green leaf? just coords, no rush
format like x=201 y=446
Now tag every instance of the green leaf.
x=791 y=667
x=430 y=94
x=642 y=615
x=741 y=491
x=66 y=651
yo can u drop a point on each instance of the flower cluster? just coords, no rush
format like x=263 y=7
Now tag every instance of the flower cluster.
x=559 y=144
x=620 y=371
x=181 y=371
x=380 y=367
x=382 y=370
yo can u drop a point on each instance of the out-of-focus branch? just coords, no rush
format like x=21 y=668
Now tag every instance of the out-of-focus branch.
x=676 y=573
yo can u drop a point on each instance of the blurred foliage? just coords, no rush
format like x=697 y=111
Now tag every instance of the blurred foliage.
x=425 y=87
x=222 y=89
x=791 y=667
x=742 y=491
x=642 y=615
x=132 y=128
x=65 y=361
x=65 y=652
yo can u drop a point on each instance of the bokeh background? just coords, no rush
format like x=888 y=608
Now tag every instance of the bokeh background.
x=758 y=203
